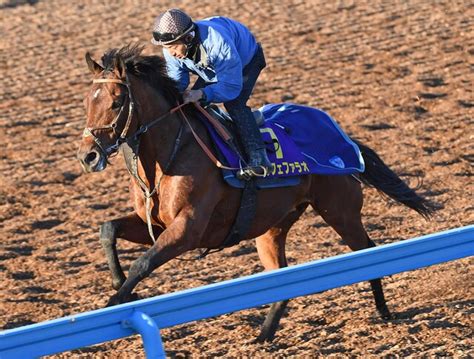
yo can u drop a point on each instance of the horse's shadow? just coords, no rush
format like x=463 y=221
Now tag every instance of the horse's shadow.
x=178 y=354
x=406 y=317
x=255 y=320
x=17 y=322
x=16 y=3
x=434 y=321
x=242 y=251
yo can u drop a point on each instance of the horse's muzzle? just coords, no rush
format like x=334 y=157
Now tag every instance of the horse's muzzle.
x=92 y=160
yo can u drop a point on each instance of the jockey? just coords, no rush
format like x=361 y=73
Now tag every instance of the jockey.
x=227 y=60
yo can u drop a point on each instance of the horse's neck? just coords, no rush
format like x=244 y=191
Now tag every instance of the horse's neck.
x=158 y=146
x=157 y=143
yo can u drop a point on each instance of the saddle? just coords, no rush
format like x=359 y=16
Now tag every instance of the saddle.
x=226 y=121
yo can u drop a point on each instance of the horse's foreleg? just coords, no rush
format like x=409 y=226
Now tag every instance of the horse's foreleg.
x=271 y=250
x=130 y=228
x=173 y=241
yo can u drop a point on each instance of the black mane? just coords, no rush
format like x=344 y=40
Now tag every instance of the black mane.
x=151 y=69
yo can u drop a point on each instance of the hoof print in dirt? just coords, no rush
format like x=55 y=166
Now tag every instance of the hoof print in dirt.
x=21 y=250
x=47 y=224
x=23 y=275
x=466 y=104
x=432 y=96
x=378 y=126
x=433 y=81
x=420 y=110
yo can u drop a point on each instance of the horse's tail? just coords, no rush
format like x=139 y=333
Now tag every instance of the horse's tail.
x=378 y=175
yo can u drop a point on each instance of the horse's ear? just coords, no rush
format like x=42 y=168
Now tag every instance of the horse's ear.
x=120 y=67
x=94 y=67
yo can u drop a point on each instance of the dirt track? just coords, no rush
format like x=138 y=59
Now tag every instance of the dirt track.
x=397 y=76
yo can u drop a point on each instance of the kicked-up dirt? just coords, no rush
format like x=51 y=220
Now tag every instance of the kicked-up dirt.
x=396 y=74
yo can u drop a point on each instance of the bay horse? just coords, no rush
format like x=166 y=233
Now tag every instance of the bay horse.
x=182 y=194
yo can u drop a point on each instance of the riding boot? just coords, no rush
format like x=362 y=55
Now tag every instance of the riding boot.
x=258 y=164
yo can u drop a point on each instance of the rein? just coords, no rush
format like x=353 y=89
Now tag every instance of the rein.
x=201 y=143
x=89 y=131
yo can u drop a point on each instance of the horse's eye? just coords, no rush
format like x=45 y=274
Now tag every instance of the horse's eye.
x=116 y=105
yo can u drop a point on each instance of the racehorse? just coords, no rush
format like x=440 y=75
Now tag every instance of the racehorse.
x=181 y=193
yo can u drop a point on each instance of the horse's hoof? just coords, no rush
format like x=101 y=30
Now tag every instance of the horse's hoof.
x=385 y=314
x=117 y=284
x=116 y=299
x=133 y=297
x=264 y=338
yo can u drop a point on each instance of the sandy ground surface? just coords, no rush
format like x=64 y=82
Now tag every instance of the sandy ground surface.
x=396 y=74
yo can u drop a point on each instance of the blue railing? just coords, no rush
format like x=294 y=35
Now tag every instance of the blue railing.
x=147 y=316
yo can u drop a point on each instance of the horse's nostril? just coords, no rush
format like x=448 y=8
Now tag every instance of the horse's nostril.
x=91 y=157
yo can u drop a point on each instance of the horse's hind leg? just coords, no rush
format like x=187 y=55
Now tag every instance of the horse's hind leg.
x=377 y=291
x=130 y=228
x=339 y=203
x=271 y=250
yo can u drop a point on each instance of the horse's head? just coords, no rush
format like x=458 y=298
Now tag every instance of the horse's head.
x=112 y=117
x=109 y=110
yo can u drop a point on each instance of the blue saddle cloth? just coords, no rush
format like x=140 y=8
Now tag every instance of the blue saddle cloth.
x=300 y=140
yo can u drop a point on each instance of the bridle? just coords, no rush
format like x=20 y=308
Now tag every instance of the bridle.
x=122 y=138
x=90 y=131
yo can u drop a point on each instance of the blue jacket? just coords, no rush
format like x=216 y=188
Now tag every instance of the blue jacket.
x=229 y=46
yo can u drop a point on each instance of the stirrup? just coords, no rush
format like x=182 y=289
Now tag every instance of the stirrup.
x=249 y=172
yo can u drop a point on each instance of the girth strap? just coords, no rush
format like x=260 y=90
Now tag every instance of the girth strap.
x=243 y=220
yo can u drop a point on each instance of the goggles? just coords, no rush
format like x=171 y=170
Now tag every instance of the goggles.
x=165 y=37
x=168 y=37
